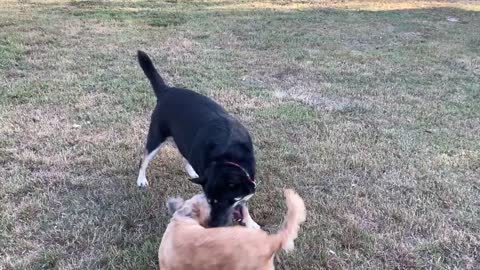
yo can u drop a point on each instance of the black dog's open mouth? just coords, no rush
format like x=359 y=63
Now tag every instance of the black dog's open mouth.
x=238 y=214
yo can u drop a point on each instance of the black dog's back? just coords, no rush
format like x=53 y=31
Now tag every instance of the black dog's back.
x=184 y=114
x=181 y=96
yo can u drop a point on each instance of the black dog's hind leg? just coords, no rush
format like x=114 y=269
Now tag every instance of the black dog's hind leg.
x=155 y=139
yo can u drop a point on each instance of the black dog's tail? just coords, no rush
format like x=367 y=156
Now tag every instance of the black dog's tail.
x=157 y=82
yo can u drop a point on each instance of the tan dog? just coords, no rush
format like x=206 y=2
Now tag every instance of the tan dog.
x=187 y=244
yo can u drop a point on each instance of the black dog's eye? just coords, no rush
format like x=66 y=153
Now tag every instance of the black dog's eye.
x=231 y=185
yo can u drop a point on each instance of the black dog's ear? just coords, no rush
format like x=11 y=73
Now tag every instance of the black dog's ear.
x=199 y=180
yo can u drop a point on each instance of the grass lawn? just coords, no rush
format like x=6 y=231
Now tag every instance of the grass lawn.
x=369 y=109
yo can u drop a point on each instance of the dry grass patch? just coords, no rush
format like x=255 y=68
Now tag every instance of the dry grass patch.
x=370 y=109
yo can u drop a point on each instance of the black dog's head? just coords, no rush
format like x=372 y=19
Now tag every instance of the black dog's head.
x=224 y=184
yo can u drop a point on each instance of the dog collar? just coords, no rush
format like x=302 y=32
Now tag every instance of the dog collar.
x=243 y=169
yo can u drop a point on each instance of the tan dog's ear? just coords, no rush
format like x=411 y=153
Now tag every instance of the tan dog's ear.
x=173 y=204
x=184 y=211
x=195 y=211
x=201 y=212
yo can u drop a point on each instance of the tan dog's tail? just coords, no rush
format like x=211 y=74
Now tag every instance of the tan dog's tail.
x=295 y=216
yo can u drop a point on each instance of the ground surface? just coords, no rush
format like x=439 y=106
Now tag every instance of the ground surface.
x=369 y=109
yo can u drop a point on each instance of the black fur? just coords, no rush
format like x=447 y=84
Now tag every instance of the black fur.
x=207 y=136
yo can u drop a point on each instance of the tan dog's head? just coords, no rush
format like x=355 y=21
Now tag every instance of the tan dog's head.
x=196 y=208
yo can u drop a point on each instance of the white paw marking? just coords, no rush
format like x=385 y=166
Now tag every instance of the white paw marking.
x=142 y=181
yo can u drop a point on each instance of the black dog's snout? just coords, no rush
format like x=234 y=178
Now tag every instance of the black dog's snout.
x=220 y=215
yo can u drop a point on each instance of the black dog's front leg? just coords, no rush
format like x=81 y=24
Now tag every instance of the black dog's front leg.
x=242 y=215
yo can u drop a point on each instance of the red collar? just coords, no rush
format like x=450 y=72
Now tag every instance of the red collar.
x=243 y=169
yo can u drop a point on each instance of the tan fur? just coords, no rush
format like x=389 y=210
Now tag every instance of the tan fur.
x=186 y=244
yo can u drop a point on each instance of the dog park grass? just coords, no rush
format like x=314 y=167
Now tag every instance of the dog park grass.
x=369 y=109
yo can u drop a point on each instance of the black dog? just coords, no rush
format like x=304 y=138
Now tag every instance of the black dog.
x=214 y=144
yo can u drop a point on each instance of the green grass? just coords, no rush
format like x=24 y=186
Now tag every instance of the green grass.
x=151 y=18
x=291 y=113
x=10 y=51
x=369 y=109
